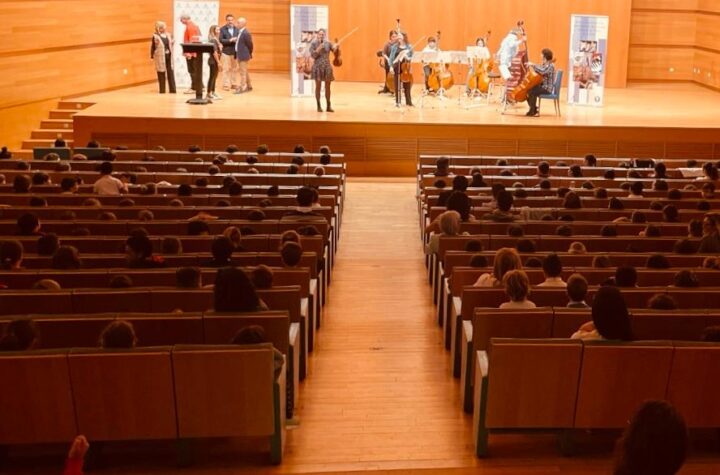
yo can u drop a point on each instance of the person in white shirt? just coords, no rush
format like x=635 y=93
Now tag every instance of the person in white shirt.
x=552 y=268
x=108 y=184
x=517 y=288
x=508 y=50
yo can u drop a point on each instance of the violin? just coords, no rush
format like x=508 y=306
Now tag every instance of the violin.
x=337 y=56
x=440 y=76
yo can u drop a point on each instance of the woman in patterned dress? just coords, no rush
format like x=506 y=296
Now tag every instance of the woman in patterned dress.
x=322 y=70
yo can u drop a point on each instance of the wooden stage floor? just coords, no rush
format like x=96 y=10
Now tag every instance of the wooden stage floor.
x=647 y=120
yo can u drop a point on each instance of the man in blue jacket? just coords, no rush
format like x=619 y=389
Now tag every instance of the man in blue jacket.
x=243 y=53
x=228 y=39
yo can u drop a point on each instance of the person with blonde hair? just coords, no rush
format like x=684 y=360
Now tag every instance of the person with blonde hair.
x=506 y=260
x=449 y=223
x=517 y=288
x=235 y=236
x=161 y=54
x=577 y=247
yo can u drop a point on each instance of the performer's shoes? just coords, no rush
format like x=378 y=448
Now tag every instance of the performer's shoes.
x=536 y=114
x=319 y=107
x=249 y=88
x=329 y=107
x=531 y=113
x=383 y=91
x=238 y=91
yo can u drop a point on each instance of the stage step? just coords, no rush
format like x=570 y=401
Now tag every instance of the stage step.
x=52 y=133
x=57 y=124
x=74 y=105
x=32 y=143
x=62 y=113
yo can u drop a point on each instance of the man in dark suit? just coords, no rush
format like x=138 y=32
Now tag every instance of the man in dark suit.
x=243 y=53
x=228 y=38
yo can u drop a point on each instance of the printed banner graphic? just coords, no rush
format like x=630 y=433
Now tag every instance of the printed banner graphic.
x=204 y=14
x=588 y=57
x=305 y=21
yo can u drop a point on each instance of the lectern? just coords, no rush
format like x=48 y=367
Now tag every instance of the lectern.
x=197 y=82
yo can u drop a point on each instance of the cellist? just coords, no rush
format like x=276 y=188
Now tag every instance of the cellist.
x=400 y=53
x=483 y=55
x=547 y=71
x=431 y=47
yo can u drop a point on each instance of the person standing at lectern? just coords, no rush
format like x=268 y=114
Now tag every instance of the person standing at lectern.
x=161 y=54
x=228 y=38
x=243 y=53
x=192 y=34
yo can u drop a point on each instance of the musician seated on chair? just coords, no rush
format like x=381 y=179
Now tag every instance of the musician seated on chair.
x=482 y=54
x=547 y=71
x=431 y=47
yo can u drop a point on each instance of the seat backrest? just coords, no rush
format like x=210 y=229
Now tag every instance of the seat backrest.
x=124 y=394
x=557 y=85
x=682 y=324
x=493 y=323
x=36 y=400
x=220 y=328
x=532 y=383
x=224 y=391
x=615 y=379
x=693 y=388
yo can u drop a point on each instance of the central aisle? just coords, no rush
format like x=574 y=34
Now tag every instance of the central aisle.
x=379 y=394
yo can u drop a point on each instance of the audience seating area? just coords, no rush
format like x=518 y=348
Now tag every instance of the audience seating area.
x=183 y=380
x=519 y=369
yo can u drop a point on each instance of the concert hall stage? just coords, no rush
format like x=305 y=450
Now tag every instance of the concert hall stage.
x=647 y=120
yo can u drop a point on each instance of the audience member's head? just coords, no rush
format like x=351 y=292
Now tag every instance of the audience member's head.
x=626 y=276
x=564 y=230
x=262 y=277
x=188 y=278
x=478 y=260
x=473 y=245
x=234 y=292
x=657 y=261
x=590 y=160
x=171 y=245
x=711 y=333
x=515 y=230
x=533 y=263
x=21 y=184
x=608 y=230
x=506 y=259
x=120 y=281
x=577 y=247
x=20 y=335
x=28 y=224
x=552 y=266
x=517 y=285
x=449 y=222
x=291 y=254
x=66 y=258
x=526 y=246
x=577 y=287
x=686 y=278
x=610 y=314
x=662 y=302
x=198 y=227
x=119 y=334
x=615 y=204
x=601 y=262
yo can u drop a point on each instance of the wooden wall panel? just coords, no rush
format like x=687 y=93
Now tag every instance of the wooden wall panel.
x=665 y=4
x=461 y=21
x=663 y=28
x=599 y=149
x=709 y=6
x=641 y=149
x=707 y=34
x=707 y=68
x=698 y=151
x=651 y=64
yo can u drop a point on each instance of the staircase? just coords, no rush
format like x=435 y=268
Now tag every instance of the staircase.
x=58 y=124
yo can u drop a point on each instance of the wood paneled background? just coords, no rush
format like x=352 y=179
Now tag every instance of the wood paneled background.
x=675 y=40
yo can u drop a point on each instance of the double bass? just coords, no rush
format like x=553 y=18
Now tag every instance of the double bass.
x=480 y=79
x=528 y=78
x=440 y=77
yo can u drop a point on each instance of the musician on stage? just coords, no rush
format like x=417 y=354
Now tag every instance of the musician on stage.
x=483 y=54
x=385 y=53
x=400 y=53
x=322 y=70
x=547 y=70
x=508 y=50
x=431 y=47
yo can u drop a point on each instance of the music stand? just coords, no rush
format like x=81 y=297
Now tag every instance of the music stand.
x=423 y=58
x=198 y=49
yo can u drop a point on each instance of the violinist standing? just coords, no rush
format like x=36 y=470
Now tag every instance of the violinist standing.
x=322 y=70
x=547 y=70
x=400 y=53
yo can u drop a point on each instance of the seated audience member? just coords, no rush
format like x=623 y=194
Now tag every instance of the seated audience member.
x=657 y=261
x=684 y=246
x=40 y=178
x=650 y=231
x=68 y=186
x=502 y=214
x=576 y=247
x=654 y=443
x=710 y=172
x=184 y=190
x=710 y=242
x=262 y=277
x=459 y=183
x=515 y=230
x=145 y=215
x=198 y=227
x=695 y=228
x=188 y=278
x=222 y=249
x=526 y=246
x=590 y=160
x=233 y=233
x=28 y=225
x=92 y=203
x=600 y=193
x=5 y=154
x=11 y=255
x=577 y=287
x=552 y=268
x=533 y=263
x=38 y=202
x=543 y=170
x=256 y=215
x=636 y=190
x=449 y=222
x=234 y=292
x=572 y=201
x=139 y=253
x=660 y=185
x=291 y=254
x=638 y=217
x=662 y=302
x=171 y=246
x=442 y=167
x=601 y=262
x=670 y=214
x=575 y=171
x=506 y=259
x=47 y=244
x=711 y=333
x=255 y=334
x=610 y=318
x=20 y=335
x=473 y=245
x=478 y=260
x=685 y=278
x=108 y=184
x=660 y=170
x=477 y=180
x=615 y=204
x=608 y=230
x=22 y=184
x=66 y=258
x=120 y=281
x=564 y=230
x=107 y=216
x=708 y=191
x=304 y=209
x=517 y=288
x=626 y=276
x=119 y=334
x=545 y=184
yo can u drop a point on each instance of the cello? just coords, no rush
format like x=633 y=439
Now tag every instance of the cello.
x=529 y=78
x=480 y=79
x=440 y=77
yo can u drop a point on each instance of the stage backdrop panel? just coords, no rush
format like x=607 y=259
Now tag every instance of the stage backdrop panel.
x=588 y=57
x=305 y=20
x=204 y=13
